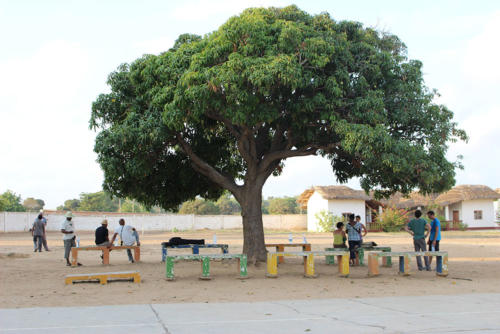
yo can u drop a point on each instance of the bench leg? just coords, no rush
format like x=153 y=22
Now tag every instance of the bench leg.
x=272 y=265
x=103 y=280
x=137 y=254
x=309 y=266
x=205 y=268
x=74 y=256
x=242 y=263
x=330 y=259
x=404 y=265
x=68 y=280
x=105 y=256
x=373 y=265
x=163 y=253
x=361 y=255
x=169 y=263
x=224 y=249
x=281 y=249
x=344 y=265
x=137 y=278
x=386 y=260
x=195 y=250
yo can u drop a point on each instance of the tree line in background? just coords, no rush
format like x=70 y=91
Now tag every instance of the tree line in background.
x=103 y=202
x=11 y=202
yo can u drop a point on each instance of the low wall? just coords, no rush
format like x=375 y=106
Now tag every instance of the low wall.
x=22 y=221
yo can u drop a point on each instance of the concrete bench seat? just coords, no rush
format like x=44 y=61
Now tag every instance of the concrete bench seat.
x=272 y=261
x=205 y=263
x=104 y=277
x=404 y=261
x=194 y=247
x=386 y=261
x=280 y=247
x=105 y=252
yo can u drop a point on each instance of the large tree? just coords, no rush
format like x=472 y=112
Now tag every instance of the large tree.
x=225 y=110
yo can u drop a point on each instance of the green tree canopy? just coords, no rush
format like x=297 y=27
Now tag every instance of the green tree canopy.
x=99 y=201
x=11 y=202
x=70 y=205
x=227 y=205
x=283 y=205
x=31 y=204
x=225 y=110
x=199 y=207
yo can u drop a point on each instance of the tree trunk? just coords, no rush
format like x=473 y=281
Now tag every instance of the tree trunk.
x=253 y=229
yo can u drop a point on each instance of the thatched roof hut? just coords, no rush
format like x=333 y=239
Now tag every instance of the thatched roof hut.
x=332 y=192
x=410 y=201
x=466 y=193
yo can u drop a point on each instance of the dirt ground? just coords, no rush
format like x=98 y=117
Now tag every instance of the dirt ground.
x=29 y=279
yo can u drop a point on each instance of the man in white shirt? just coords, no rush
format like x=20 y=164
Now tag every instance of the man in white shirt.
x=128 y=236
x=68 y=231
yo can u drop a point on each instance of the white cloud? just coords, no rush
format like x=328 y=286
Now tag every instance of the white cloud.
x=155 y=46
x=481 y=56
x=203 y=10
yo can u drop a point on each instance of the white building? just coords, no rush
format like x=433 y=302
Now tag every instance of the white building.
x=338 y=200
x=470 y=204
x=496 y=204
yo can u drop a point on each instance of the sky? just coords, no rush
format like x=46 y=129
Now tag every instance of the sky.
x=56 y=55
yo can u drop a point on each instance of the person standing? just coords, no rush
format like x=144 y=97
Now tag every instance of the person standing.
x=44 y=238
x=354 y=238
x=128 y=236
x=435 y=235
x=68 y=231
x=419 y=229
x=363 y=228
x=38 y=230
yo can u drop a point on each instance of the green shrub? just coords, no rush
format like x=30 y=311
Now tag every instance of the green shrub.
x=392 y=219
x=327 y=220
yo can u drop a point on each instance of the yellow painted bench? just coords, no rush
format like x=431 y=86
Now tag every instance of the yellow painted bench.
x=103 y=277
x=105 y=252
x=342 y=256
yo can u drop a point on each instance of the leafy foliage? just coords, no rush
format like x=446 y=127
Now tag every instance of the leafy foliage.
x=31 y=204
x=283 y=205
x=393 y=220
x=225 y=110
x=327 y=220
x=9 y=201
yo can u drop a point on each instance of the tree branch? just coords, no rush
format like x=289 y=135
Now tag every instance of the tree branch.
x=204 y=168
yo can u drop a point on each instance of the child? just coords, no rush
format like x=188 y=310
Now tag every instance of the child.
x=339 y=236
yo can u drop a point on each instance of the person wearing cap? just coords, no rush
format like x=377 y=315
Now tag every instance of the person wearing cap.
x=102 y=234
x=68 y=231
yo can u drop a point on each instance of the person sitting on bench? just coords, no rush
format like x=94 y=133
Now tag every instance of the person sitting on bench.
x=128 y=236
x=102 y=234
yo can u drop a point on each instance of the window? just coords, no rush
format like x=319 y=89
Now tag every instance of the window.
x=346 y=215
x=478 y=214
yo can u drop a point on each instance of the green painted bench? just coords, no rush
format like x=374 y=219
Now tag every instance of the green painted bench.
x=404 y=261
x=387 y=262
x=205 y=263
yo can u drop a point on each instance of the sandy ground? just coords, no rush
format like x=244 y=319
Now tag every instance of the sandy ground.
x=29 y=279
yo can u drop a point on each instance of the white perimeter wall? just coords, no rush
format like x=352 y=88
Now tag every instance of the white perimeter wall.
x=467 y=214
x=315 y=204
x=22 y=221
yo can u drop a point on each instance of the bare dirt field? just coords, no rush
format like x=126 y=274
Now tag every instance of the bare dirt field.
x=29 y=279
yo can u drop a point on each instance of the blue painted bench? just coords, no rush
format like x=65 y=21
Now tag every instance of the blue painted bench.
x=195 y=248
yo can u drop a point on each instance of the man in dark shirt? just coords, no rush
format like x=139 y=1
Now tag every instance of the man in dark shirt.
x=101 y=234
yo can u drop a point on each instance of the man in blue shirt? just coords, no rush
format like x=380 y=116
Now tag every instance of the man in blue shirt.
x=435 y=235
x=354 y=235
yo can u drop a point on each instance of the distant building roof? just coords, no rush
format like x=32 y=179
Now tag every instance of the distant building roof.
x=466 y=193
x=332 y=192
